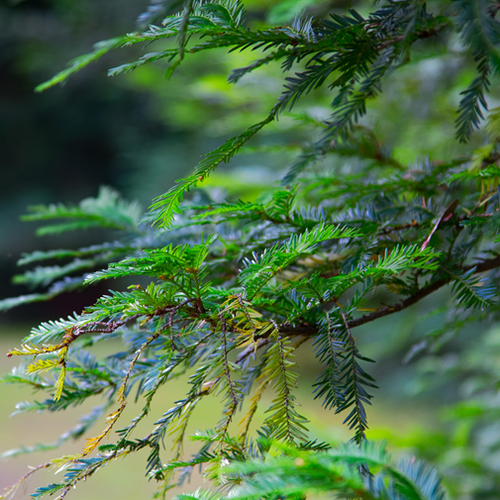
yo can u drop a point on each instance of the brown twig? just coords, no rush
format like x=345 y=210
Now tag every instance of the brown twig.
x=310 y=330
x=12 y=489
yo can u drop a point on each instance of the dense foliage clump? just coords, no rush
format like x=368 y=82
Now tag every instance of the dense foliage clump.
x=227 y=290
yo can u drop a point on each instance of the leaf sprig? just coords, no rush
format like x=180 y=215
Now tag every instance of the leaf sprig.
x=228 y=294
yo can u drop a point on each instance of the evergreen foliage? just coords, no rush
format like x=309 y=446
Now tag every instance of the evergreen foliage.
x=226 y=292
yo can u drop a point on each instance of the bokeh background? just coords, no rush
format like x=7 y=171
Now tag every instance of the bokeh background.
x=139 y=132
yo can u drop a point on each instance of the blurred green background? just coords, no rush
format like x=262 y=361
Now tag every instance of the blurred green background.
x=139 y=132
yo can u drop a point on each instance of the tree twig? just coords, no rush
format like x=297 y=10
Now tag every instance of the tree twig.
x=310 y=330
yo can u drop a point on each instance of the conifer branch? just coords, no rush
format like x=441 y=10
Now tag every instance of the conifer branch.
x=309 y=330
x=299 y=260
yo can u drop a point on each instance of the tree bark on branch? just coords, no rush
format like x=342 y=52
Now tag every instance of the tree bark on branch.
x=311 y=330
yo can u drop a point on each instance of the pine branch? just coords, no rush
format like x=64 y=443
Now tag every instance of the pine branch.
x=299 y=261
x=168 y=205
x=284 y=421
x=427 y=290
